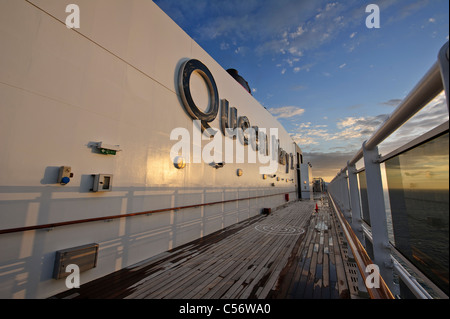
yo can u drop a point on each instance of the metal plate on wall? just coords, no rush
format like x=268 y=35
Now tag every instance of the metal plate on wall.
x=85 y=257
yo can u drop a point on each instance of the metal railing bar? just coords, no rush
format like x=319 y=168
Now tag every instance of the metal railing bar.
x=415 y=287
x=426 y=90
x=410 y=281
x=439 y=130
x=81 y=221
x=397 y=255
x=366 y=230
x=431 y=84
x=443 y=58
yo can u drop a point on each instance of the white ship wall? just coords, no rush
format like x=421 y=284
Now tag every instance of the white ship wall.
x=112 y=80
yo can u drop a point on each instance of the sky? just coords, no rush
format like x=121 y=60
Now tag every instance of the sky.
x=329 y=79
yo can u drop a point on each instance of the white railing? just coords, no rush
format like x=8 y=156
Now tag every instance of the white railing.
x=345 y=191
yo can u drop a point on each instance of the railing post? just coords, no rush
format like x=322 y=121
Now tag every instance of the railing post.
x=336 y=189
x=354 y=201
x=443 y=58
x=346 y=197
x=355 y=221
x=377 y=211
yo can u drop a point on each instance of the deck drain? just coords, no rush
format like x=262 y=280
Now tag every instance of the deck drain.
x=279 y=229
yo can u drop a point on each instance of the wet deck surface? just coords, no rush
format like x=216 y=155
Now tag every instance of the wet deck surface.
x=293 y=253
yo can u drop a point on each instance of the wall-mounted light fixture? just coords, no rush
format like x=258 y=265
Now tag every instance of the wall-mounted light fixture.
x=179 y=162
x=217 y=165
x=239 y=172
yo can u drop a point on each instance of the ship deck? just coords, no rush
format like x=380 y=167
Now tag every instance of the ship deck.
x=292 y=253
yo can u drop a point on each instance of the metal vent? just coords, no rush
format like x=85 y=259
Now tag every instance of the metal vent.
x=85 y=257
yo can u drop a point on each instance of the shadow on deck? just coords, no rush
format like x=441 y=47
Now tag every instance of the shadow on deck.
x=293 y=253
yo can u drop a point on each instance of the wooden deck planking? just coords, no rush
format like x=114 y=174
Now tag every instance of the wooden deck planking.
x=262 y=257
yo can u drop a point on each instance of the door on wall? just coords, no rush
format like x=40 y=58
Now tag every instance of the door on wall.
x=299 y=184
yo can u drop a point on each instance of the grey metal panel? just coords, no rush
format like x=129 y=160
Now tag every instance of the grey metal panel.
x=85 y=257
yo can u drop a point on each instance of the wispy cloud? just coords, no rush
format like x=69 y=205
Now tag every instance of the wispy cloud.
x=325 y=146
x=286 y=29
x=392 y=102
x=286 y=111
x=350 y=132
x=327 y=164
x=298 y=87
x=359 y=127
x=432 y=115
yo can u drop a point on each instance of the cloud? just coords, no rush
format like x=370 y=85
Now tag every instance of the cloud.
x=283 y=27
x=359 y=127
x=342 y=65
x=353 y=131
x=327 y=164
x=350 y=132
x=303 y=140
x=286 y=111
x=297 y=33
x=355 y=106
x=431 y=116
x=298 y=87
x=224 y=46
x=324 y=147
x=392 y=102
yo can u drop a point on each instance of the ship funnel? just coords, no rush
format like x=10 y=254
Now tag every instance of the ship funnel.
x=234 y=73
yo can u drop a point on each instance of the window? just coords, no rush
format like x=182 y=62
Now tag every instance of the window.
x=418 y=183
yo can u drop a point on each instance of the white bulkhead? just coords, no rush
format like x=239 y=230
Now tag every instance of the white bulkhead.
x=114 y=81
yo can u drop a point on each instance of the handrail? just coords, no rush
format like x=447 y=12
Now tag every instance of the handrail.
x=362 y=258
x=428 y=87
x=410 y=281
x=80 y=221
